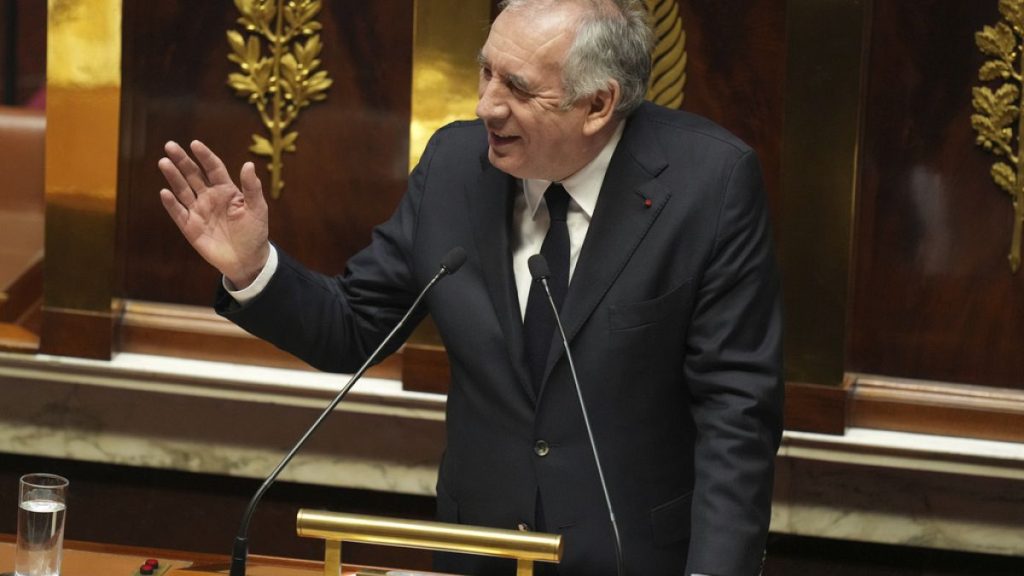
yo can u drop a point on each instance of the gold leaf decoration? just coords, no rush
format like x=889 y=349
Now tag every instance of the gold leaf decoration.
x=998 y=119
x=668 y=75
x=277 y=53
x=1004 y=176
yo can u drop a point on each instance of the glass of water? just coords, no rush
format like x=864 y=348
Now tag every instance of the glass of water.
x=42 y=501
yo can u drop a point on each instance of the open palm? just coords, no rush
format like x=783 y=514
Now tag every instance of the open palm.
x=226 y=225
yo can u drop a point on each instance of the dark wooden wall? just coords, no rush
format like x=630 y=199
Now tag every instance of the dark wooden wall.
x=8 y=36
x=736 y=75
x=351 y=165
x=933 y=294
x=22 y=50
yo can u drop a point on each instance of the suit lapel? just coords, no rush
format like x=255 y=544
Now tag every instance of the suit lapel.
x=621 y=219
x=490 y=199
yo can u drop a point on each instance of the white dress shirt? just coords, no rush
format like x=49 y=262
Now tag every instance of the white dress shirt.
x=530 y=218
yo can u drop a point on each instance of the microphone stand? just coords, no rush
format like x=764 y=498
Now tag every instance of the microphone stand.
x=240 y=550
x=539 y=270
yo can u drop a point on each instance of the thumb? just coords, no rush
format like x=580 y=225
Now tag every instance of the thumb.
x=252 y=189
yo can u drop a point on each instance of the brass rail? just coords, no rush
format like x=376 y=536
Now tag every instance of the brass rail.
x=336 y=527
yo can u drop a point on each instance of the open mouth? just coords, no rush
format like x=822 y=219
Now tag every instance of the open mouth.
x=501 y=139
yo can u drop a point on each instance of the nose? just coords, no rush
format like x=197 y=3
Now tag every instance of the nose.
x=492 y=104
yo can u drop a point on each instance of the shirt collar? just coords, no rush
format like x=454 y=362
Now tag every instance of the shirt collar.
x=583 y=187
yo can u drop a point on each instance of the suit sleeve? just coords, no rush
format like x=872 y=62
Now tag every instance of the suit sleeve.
x=335 y=322
x=734 y=373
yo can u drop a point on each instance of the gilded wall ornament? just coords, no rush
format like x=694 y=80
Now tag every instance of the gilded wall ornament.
x=999 y=122
x=668 y=76
x=282 y=81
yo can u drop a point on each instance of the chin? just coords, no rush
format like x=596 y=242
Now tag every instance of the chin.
x=506 y=164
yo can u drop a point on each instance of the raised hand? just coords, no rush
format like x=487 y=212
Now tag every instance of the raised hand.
x=226 y=225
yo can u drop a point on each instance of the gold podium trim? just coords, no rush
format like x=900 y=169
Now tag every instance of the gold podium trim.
x=337 y=527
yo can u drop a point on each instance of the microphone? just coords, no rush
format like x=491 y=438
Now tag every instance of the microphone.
x=540 y=272
x=450 y=264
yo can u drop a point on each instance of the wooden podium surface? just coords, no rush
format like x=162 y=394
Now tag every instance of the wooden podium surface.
x=91 y=559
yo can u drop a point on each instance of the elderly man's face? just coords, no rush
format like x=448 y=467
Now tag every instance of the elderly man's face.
x=528 y=134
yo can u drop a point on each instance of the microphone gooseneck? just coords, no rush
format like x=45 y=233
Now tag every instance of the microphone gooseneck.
x=539 y=271
x=450 y=264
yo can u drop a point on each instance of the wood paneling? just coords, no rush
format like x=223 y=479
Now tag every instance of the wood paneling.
x=938 y=408
x=425 y=368
x=198 y=333
x=22 y=50
x=8 y=31
x=78 y=333
x=736 y=75
x=933 y=294
x=816 y=408
x=351 y=164
x=825 y=52
x=30 y=50
x=21 y=225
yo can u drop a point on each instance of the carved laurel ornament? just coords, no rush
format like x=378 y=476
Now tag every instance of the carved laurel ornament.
x=668 y=75
x=998 y=121
x=278 y=55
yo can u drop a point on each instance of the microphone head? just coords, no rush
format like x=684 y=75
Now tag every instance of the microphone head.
x=538 y=267
x=453 y=260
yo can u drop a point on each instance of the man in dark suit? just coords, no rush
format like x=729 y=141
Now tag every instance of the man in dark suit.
x=657 y=236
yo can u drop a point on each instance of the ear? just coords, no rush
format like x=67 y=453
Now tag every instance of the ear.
x=601 y=110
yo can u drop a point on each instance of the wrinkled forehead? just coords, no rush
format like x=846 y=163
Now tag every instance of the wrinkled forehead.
x=527 y=35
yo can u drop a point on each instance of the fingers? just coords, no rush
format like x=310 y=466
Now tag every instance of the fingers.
x=187 y=169
x=252 y=188
x=212 y=165
x=178 y=213
x=180 y=187
x=188 y=180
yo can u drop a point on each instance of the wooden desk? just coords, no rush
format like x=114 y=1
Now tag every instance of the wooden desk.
x=91 y=559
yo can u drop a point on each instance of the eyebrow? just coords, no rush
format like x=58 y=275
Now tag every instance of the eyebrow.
x=514 y=80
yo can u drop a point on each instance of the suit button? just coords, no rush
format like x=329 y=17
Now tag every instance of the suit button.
x=523 y=527
x=541 y=448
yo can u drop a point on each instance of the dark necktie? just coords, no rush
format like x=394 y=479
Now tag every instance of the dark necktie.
x=539 y=321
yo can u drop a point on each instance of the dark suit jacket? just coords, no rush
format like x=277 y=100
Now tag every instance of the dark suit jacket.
x=674 y=320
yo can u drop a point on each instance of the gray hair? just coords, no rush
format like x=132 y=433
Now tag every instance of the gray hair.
x=613 y=42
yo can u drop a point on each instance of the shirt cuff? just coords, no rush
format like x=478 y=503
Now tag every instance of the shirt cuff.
x=247 y=294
